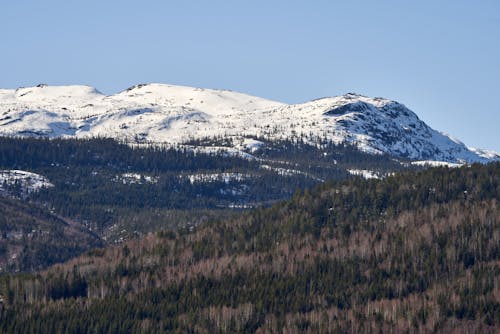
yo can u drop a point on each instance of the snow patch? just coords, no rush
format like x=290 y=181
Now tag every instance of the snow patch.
x=216 y=177
x=135 y=178
x=28 y=182
x=431 y=163
x=289 y=172
x=249 y=145
x=367 y=174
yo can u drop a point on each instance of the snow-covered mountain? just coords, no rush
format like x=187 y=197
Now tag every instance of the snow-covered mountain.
x=160 y=113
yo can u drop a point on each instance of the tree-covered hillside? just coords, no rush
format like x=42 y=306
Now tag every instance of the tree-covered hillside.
x=117 y=191
x=33 y=238
x=414 y=252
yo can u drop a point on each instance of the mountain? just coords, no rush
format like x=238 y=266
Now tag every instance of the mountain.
x=157 y=113
x=120 y=191
x=415 y=252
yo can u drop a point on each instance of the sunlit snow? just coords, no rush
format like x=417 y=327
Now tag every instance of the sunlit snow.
x=176 y=115
x=27 y=181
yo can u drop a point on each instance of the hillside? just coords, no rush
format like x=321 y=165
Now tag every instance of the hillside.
x=119 y=191
x=413 y=252
x=111 y=192
x=32 y=238
x=176 y=115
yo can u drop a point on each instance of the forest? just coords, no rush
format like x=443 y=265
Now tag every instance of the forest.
x=416 y=251
x=90 y=176
x=111 y=191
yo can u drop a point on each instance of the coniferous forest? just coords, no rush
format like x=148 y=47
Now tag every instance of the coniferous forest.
x=249 y=167
x=110 y=191
x=417 y=251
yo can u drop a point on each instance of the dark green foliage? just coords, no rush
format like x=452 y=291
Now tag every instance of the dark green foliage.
x=409 y=253
x=33 y=238
x=90 y=187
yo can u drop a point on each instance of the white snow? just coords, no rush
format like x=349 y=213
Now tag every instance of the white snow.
x=29 y=182
x=135 y=178
x=488 y=154
x=367 y=174
x=289 y=172
x=249 y=144
x=167 y=114
x=216 y=177
x=432 y=163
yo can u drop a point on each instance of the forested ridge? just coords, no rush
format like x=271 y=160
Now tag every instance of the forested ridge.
x=413 y=252
x=116 y=192
x=89 y=174
x=32 y=237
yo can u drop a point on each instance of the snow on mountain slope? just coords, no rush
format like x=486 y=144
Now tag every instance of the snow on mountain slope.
x=161 y=113
x=27 y=181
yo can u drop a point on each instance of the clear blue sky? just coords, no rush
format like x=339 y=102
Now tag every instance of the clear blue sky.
x=440 y=58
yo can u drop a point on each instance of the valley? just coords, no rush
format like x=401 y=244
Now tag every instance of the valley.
x=416 y=251
x=176 y=209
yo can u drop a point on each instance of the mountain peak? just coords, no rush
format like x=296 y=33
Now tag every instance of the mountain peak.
x=44 y=91
x=161 y=113
x=352 y=95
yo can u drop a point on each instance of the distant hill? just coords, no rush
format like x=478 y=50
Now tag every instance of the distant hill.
x=158 y=113
x=413 y=252
x=119 y=191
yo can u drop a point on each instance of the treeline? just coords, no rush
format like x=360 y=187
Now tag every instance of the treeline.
x=35 y=153
x=416 y=252
x=97 y=180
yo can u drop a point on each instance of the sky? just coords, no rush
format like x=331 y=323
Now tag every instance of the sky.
x=440 y=58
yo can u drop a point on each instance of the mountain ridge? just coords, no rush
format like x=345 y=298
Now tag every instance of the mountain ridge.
x=413 y=252
x=160 y=113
